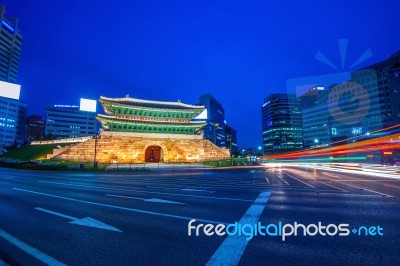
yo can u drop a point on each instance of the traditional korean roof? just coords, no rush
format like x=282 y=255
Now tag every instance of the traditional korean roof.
x=167 y=122
x=151 y=103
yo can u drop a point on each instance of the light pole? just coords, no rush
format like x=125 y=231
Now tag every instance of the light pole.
x=230 y=149
x=95 y=152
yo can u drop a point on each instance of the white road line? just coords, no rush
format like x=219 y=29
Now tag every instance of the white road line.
x=147 y=200
x=369 y=190
x=144 y=191
x=300 y=180
x=283 y=180
x=182 y=189
x=118 y=207
x=282 y=187
x=341 y=189
x=194 y=184
x=324 y=173
x=30 y=250
x=90 y=222
x=265 y=186
x=56 y=213
x=196 y=190
x=166 y=188
x=231 y=250
x=347 y=194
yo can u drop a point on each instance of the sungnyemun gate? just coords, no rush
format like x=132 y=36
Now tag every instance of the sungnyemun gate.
x=137 y=131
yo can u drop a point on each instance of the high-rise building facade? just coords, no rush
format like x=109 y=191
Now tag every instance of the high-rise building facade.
x=35 y=127
x=369 y=101
x=231 y=139
x=214 y=131
x=281 y=123
x=12 y=110
x=10 y=47
x=315 y=118
x=12 y=122
x=382 y=83
x=68 y=121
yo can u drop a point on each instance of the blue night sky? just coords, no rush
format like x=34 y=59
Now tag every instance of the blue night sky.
x=239 y=51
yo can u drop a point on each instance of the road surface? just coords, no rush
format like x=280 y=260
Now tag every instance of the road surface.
x=72 y=218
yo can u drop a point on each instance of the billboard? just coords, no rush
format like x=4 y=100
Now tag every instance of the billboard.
x=10 y=90
x=88 y=105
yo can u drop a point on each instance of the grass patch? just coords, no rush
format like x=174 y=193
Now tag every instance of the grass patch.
x=31 y=152
x=226 y=162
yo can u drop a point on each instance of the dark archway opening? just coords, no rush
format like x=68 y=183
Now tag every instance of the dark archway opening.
x=153 y=154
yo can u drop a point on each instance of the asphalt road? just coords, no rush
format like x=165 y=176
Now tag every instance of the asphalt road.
x=142 y=219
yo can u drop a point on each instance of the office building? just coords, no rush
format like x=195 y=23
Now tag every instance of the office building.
x=351 y=110
x=369 y=101
x=35 y=127
x=231 y=139
x=69 y=121
x=315 y=118
x=10 y=47
x=382 y=83
x=281 y=123
x=12 y=110
x=215 y=118
x=12 y=122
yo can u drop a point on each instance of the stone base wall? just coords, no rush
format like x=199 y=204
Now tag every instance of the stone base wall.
x=119 y=149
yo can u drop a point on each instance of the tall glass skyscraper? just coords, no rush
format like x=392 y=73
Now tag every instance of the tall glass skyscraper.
x=369 y=101
x=214 y=131
x=281 y=123
x=316 y=127
x=12 y=110
x=10 y=47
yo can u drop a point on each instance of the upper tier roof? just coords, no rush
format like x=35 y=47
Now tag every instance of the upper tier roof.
x=152 y=104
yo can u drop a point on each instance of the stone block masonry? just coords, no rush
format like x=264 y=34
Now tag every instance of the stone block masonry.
x=132 y=149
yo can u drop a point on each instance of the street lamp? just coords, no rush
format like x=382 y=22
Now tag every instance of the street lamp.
x=230 y=149
x=95 y=152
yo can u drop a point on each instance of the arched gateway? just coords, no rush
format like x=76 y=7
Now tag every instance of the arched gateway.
x=153 y=154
